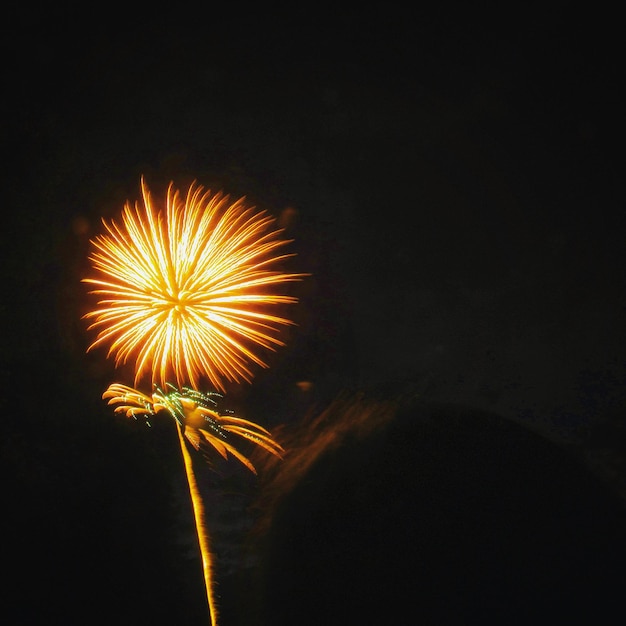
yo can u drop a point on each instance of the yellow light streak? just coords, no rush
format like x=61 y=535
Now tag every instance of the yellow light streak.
x=203 y=536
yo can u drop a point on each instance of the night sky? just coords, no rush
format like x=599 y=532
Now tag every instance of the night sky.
x=452 y=184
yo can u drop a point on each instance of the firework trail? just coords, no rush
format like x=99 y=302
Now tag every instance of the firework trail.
x=188 y=295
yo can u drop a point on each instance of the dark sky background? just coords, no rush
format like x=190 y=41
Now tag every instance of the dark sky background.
x=457 y=196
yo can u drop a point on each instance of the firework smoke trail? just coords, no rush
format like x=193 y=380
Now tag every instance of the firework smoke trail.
x=187 y=297
x=347 y=416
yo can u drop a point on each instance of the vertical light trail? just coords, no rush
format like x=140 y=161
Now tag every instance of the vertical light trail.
x=203 y=538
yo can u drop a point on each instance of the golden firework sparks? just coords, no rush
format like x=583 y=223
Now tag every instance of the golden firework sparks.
x=202 y=424
x=206 y=428
x=189 y=292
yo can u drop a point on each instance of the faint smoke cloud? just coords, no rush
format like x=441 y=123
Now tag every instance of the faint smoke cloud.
x=353 y=417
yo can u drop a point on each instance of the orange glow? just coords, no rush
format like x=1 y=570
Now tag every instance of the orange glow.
x=188 y=293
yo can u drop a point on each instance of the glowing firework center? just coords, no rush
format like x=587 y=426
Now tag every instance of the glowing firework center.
x=186 y=295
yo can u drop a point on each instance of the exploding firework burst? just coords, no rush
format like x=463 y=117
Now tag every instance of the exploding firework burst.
x=197 y=413
x=189 y=293
x=186 y=294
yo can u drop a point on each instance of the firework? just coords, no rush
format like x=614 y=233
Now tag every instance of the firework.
x=190 y=293
x=196 y=412
x=187 y=294
x=203 y=426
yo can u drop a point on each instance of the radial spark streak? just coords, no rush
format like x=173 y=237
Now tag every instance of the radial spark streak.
x=188 y=294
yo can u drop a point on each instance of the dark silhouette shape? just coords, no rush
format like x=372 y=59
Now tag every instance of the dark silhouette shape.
x=445 y=515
